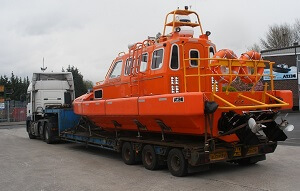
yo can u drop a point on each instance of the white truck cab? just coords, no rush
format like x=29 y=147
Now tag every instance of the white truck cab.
x=47 y=91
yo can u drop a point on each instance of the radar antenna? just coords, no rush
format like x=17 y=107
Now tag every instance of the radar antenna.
x=43 y=68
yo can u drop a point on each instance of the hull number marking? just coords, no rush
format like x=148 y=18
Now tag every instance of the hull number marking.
x=178 y=99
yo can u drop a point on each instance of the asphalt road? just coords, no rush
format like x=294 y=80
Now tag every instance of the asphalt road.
x=30 y=165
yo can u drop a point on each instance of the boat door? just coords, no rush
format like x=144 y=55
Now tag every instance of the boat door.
x=136 y=78
x=195 y=51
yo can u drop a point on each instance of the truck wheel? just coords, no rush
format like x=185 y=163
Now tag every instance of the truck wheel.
x=48 y=134
x=149 y=158
x=30 y=135
x=177 y=164
x=128 y=155
x=41 y=130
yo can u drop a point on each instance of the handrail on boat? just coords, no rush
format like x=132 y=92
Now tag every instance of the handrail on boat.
x=175 y=23
x=204 y=71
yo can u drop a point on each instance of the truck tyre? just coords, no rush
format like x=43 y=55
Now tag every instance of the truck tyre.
x=30 y=135
x=41 y=130
x=48 y=134
x=177 y=164
x=149 y=158
x=128 y=155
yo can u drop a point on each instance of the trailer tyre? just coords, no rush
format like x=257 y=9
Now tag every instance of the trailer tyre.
x=177 y=164
x=48 y=136
x=149 y=158
x=128 y=155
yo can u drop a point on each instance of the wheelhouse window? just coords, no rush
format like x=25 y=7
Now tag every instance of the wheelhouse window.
x=116 y=71
x=98 y=94
x=174 y=57
x=157 y=59
x=143 y=62
x=194 y=54
x=213 y=81
x=128 y=66
x=211 y=52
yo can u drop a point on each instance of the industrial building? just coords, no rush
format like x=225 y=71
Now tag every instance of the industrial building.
x=286 y=69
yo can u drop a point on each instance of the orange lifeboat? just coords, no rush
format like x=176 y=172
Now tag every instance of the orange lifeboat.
x=248 y=71
x=164 y=85
x=220 y=69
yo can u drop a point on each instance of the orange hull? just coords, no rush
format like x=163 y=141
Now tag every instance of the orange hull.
x=183 y=113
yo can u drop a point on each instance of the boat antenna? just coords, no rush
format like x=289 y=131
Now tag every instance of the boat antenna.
x=43 y=68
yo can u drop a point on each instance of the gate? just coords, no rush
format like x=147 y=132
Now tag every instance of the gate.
x=12 y=111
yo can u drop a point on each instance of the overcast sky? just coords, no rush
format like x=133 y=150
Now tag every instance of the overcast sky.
x=89 y=34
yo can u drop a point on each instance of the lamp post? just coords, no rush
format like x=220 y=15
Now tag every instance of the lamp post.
x=295 y=45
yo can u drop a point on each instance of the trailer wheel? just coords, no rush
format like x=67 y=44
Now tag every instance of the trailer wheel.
x=48 y=134
x=177 y=164
x=149 y=158
x=128 y=155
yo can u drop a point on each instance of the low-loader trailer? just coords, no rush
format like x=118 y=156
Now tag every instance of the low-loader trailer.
x=51 y=118
x=182 y=154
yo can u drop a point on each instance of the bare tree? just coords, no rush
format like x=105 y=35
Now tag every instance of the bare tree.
x=296 y=29
x=278 y=36
x=255 y=47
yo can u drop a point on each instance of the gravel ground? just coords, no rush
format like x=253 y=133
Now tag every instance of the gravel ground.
x=33 y=165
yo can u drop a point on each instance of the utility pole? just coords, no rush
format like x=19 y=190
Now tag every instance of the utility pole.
x=8 y=114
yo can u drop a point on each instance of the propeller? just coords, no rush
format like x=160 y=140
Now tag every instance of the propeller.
x=254 y=126
x=284 y=125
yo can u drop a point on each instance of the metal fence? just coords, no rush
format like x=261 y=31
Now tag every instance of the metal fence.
x=12 y=111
